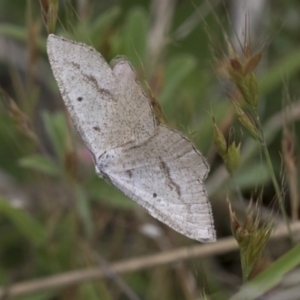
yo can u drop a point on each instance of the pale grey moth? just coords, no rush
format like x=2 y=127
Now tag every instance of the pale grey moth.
x=154 y=165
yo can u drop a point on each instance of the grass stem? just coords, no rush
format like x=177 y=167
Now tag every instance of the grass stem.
x=274 y=180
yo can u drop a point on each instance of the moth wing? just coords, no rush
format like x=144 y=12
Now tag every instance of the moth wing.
x=165 y=175
x=108 y=107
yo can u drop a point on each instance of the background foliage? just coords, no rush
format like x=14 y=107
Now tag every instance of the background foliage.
x=57 y=216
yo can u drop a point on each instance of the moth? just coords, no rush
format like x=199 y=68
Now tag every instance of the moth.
x=152 y=164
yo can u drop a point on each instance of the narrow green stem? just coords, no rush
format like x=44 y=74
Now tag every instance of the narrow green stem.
x=277 y=189
x=274 y=180
x=237 y=190
x=243 y=265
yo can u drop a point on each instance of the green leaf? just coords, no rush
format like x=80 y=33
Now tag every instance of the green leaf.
x=135 y=36
x=107 y=194
x=26 y=225
x=38 y=296
x=270 y=277
x=84 y=211
x=102 y=24
x=40 y=163
x=274 y=76
x=20 y=34
x=92 y=291
x=253 y=175
x=57 y=129
x=177 y=69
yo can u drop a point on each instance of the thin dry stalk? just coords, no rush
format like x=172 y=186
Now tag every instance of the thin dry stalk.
x=194 y=20
x=224 y=245
x=103 y=264
x=288 y=155
x=162 y=12
x=288 y=146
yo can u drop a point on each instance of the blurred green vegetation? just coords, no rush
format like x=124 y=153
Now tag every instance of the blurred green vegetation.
x=56 y=215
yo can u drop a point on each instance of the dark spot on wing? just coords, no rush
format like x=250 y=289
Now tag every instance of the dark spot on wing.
x=79 y=99
x=96 y=128
x=100 y=89
x=92 y=79
x=171 y=183
x=100 y=156
x=75 y=65
x=154 y=195
x=129 y=173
